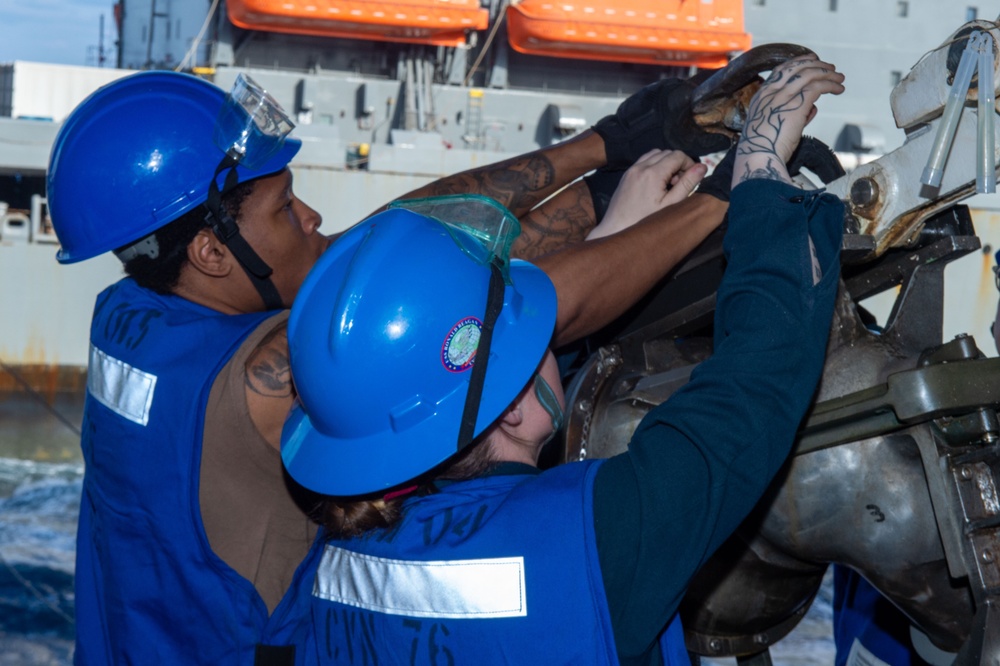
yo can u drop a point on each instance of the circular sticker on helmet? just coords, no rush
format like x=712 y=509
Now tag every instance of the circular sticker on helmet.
x=459 y=349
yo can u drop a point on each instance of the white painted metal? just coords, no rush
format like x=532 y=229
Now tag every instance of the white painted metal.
x=45 y=308
x=46 y=91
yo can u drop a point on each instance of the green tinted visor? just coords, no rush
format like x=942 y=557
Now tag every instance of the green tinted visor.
x=487 y=221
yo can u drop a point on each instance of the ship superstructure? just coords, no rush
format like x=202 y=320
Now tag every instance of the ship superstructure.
x=390 y=95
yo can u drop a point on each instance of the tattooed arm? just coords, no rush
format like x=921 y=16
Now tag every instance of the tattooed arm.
x=269 y=389
x=569 y=217
x=778 y=113
x=562 y=220
x=522 y=182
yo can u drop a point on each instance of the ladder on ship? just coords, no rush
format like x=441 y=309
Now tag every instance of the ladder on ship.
x=474 y=119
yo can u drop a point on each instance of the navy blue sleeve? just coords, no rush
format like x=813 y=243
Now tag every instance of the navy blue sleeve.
x=698 y=463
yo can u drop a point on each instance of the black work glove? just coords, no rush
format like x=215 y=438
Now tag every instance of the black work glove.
x=657 y=116
x=602 y=185
x=720 y=181
x=816 y=156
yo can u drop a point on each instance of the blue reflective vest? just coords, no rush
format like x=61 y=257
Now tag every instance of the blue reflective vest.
x=867 y=629
x=495 y=570
x=149 y=589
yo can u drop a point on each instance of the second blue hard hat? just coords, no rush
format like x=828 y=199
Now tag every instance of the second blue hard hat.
x=383 y=337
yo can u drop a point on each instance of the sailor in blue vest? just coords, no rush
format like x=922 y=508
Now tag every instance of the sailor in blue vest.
x=156 y=167
x=192 y=543
x=427 y=388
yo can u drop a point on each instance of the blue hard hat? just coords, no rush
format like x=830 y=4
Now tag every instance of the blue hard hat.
x=382 y=339
x=135 y=155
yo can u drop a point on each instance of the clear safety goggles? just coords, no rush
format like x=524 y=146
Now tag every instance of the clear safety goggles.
x=251 y=126
x=493 y=227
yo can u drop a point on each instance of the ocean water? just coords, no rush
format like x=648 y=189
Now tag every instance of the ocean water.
x=41 y=474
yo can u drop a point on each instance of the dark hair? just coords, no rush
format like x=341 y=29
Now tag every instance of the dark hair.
x=347 y=518
x=161 y=274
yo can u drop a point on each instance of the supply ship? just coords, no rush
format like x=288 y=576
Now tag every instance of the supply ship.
x=389 y=95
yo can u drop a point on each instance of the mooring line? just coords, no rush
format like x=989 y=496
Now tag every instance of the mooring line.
x=31 y=588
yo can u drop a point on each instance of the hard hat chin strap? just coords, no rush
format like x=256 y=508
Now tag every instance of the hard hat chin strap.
x=494 y=305
x=228 y=232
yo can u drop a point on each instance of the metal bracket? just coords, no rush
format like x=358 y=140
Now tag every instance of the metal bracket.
x=906 y=398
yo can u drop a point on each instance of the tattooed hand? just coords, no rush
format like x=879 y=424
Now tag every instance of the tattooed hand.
x=777 y=115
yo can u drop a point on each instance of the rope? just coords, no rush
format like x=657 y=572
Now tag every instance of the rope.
x=993 y=24
x=489 y=40
x=34 y=591
x=197 y=40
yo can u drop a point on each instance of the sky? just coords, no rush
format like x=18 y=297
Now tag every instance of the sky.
x=65 y=32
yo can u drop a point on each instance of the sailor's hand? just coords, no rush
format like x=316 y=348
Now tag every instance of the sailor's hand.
x=778 y=113
x=657 y=116
x=719 y=182
x=658 y=179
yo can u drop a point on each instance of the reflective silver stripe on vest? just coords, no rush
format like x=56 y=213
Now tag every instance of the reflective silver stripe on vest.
x=125 y=390
x=447 y=589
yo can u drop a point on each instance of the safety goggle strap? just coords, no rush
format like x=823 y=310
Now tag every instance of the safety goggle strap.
x=494 y=305
x=227 y=231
